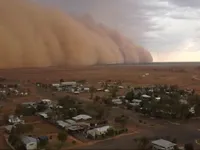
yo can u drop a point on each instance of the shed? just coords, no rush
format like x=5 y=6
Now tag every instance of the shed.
x=44 y=115
x=117 y=101
x=72 y=83
x=82 y=117
x=146 y=96
x=162 y=145
x=29 y=142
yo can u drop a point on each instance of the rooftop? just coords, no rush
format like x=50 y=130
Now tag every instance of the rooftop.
x=163 y=143
x=27 y=139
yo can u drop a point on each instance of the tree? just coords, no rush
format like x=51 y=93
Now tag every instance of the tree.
x=97 y=99
x=129 y=96
x=189 y=146
x=92 y=91
x=110 y=132
x=114 y=91
x=62 y=80
x=142 y=143
x=62 y=137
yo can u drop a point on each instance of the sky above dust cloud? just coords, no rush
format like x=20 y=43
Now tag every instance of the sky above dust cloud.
x=33 y=35
x=170 y=29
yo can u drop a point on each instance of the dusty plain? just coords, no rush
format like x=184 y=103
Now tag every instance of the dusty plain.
x=185 y=75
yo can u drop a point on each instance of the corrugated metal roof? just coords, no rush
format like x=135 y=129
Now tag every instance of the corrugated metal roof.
x=163 y=143
x=28 y=139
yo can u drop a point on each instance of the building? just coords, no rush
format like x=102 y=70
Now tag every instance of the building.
x=14 y=120
x=82 y=117
x=72 y=122
x=62 y=124
x=70 y=84
x=162 y=145
x=46 y=101
x=44 y=115
x=29 y=142
x=8 y=128
x=136 y=102
x=97 y=131
x=117 y=101
x=146 y=97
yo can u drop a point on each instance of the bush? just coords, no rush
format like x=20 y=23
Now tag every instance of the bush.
x=74 y=142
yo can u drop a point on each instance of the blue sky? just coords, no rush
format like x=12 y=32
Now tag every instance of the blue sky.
x=170 y=29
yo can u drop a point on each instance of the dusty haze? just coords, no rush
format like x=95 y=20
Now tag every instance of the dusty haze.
x=34 y=36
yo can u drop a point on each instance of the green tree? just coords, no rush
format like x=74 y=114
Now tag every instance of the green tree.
x=97 y=99
x=110 y=132
x=62 y=137
x=129 y=96
x=142 y=143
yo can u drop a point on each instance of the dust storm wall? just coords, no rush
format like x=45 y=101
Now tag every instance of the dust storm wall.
x=34 y=36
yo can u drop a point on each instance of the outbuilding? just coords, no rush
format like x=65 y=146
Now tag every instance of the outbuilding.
x=162 y=145
x=29 y=142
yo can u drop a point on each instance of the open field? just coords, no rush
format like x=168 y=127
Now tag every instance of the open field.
x=132 y=74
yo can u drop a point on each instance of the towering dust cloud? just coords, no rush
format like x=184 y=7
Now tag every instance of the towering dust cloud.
x=33 y=36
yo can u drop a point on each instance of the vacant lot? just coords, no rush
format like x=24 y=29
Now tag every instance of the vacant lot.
x=44 y=129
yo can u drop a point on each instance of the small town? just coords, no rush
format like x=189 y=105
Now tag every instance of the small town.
x=75 y=113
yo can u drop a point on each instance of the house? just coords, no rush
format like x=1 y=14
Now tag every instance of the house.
x=97 y=131
x=183 y=101
x=70 y=84
x=136 y=102
x=158 y=98
x=75 y=129
x=192 y=110
x=117 y=101
x=62 y=124
x=8 y=128
x=82 y=117
x=46 y=101
x=162 y=145
x=14 y=119
x=44 y=115
x=146 y=97
x=29 y=142
x=56 y=85
x=85 y=89
x=72 y=122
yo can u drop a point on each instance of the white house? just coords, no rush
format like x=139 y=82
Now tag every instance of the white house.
x=117 y=101
x=62 y=124
x=86 y=89
x=57 y=85
x=72 y=122
x=146 y=96
x=68 y=84
x=14 y=119
x=29 y=142
x=82 y=117
x=44 y=115
x=46 y=101
x=98 y=131
x=162 y=145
